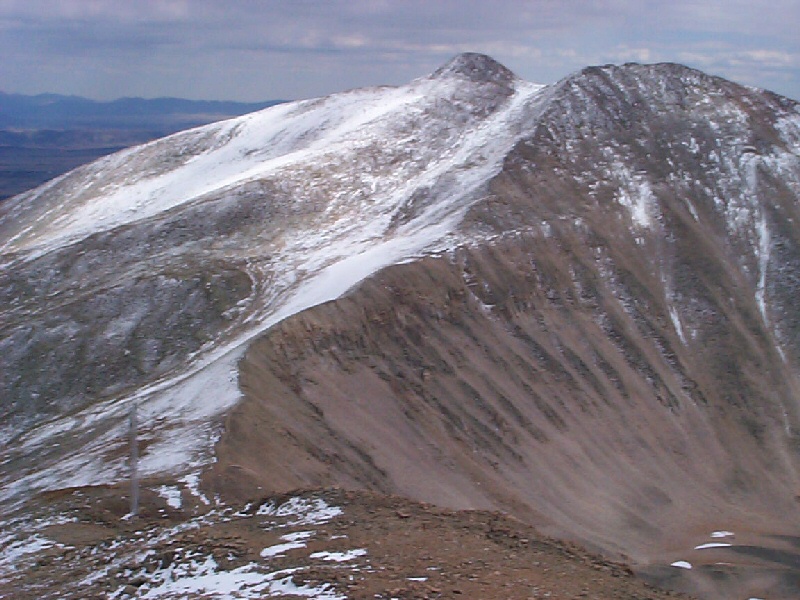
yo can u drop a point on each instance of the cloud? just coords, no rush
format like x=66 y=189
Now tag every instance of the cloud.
x=746 y=64
x=765 y=58
x=256 y=49
x=96 y=10
x=626 y=53
x=741 y=18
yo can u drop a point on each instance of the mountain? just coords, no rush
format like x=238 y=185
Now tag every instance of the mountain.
x=572 y=303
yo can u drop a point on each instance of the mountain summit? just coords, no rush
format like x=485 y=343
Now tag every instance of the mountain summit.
x=574 y=303
x=475 y=67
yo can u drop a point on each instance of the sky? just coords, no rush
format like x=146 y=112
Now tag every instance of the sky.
x=253 y=50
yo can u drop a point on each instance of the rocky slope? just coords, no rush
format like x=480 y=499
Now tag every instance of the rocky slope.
x=581 y=311
x=326 y=545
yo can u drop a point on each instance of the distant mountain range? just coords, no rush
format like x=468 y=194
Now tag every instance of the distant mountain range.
x=46 y=135
x=53 y=111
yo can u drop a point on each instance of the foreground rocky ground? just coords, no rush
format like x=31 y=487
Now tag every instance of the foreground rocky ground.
x=321 y=544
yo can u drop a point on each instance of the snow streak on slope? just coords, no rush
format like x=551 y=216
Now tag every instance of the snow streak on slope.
x=375 y=204
x=113 y=192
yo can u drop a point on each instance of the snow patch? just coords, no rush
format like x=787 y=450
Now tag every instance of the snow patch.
x=722 y=534
x=297 y=536
x=681 y=564
x=287 y=587
x=293 y=541
x=204 y=579
x=15 y=551
x=192 y=482
x=676 y=322
x=281 y=549
x=171 y=494
x=339 y=556
x=712 y=545
x=635 y=194
x=764 y=239
x=302 y=511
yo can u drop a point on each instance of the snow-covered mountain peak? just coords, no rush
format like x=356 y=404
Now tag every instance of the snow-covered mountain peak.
x=475 y=67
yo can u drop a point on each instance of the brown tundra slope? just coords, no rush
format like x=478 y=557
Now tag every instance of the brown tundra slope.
x=616 y=362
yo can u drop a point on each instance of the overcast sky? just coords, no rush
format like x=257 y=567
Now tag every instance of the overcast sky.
x=269 y=49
